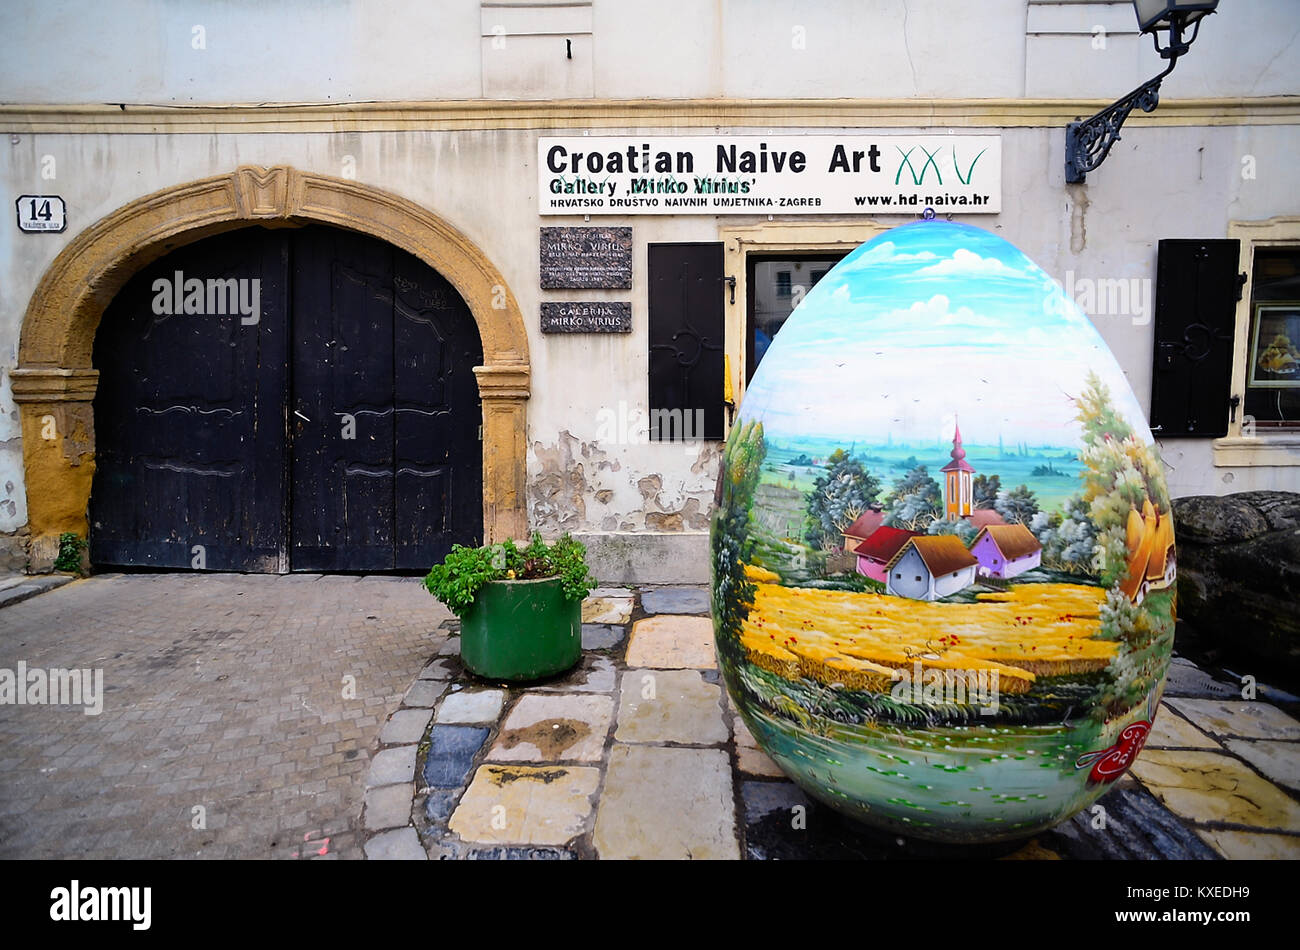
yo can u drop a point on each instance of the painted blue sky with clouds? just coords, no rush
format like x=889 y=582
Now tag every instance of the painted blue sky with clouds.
x=929 y=321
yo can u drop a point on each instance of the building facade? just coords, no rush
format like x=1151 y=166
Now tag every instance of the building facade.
x=514 y=345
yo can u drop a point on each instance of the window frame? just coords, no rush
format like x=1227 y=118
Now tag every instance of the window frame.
x=772 y=239
x=1248 y=445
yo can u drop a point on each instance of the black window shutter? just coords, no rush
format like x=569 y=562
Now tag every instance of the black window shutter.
x=686 y=341
x=1196 y=304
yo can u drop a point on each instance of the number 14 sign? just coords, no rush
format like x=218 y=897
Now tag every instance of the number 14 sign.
x=41 y=213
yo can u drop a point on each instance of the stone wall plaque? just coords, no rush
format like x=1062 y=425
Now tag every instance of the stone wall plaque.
x=587 y=316
x=576 y=258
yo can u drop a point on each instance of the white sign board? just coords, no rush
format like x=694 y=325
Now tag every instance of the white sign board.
x=769 y=174
x=41 y=213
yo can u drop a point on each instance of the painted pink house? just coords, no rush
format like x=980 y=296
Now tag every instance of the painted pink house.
x=1005 y=550
x=879 y=549
x=983 y=517
x=863 y=527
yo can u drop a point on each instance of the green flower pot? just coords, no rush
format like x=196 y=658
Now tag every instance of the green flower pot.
x=521 y=630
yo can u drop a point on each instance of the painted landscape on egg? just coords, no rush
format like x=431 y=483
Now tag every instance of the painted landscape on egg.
x=939 y=615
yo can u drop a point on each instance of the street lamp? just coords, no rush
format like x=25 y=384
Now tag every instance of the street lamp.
x=1087 y=143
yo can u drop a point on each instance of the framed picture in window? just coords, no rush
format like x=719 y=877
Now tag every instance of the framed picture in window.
x=1275 y=346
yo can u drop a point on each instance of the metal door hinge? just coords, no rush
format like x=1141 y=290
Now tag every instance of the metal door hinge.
x=1241 y=284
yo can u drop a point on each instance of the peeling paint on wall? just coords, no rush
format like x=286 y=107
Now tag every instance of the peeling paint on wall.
x=582 y=486
x=13 y=499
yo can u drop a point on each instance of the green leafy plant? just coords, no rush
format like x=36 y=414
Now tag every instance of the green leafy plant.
x=70 y=548
x=463 y=572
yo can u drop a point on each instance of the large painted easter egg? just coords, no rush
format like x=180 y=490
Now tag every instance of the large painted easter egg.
x=943 y=554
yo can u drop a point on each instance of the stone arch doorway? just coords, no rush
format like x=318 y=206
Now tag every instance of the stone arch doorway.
x=55 y=380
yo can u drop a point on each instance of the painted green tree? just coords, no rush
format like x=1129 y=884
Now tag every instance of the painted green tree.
x=984 y=490
x=1016 y=506
x=1067 y=537
x=915 y=501
x=837 y=498
x=1121 y=473
x=733 y=593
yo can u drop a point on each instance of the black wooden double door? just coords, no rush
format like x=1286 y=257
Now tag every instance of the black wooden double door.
x=292 y=399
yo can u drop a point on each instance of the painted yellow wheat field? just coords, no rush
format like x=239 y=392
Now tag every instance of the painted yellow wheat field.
x=859 y=639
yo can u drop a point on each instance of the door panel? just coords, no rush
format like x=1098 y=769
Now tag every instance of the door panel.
x=686 y=341
x=439 y=486
x=352 y=446
x=342 y=488
x=189 y=416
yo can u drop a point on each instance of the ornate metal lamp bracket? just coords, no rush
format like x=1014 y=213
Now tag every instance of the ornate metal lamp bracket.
x=1088 y=142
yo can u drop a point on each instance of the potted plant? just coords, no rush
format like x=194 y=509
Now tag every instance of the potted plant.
x=520 y=610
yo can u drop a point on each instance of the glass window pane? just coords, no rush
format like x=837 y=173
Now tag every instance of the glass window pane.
x=1273 y=346
x=776 y=286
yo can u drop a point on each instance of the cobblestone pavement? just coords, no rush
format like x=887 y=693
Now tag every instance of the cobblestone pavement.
x=228 y=729
x=228 y=693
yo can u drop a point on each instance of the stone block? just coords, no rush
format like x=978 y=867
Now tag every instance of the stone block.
x=554 y=728
x=667 y=804
x=669 y=706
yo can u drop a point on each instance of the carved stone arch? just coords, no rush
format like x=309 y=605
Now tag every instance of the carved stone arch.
x=54 y=382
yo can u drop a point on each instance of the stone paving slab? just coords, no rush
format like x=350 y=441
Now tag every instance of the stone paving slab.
x=672 y=642
x=1277 y=761
x=1250 y=846
x=1172 y=731
x=518 y=804
x=1209 y=787
x=555 y=728
x=614 y=609
x=400 y=844
x=388 y=807
x=676 y=600
x=1248 y=719
x=669 y=706
x=404 y=727
x=483 y=705
x=593 y=674
x=424 y=693
x=440 y=669
x=665 y=803
x=391 y=766
x=451 y=754
x=601 y=636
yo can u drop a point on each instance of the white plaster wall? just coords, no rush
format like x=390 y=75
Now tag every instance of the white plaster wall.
x=143 y=51
x=484 y=183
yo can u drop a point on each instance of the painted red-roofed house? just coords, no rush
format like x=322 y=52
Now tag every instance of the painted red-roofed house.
x=877 y=551
x=863 y=527
x=983 y=517
x=928 y=567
